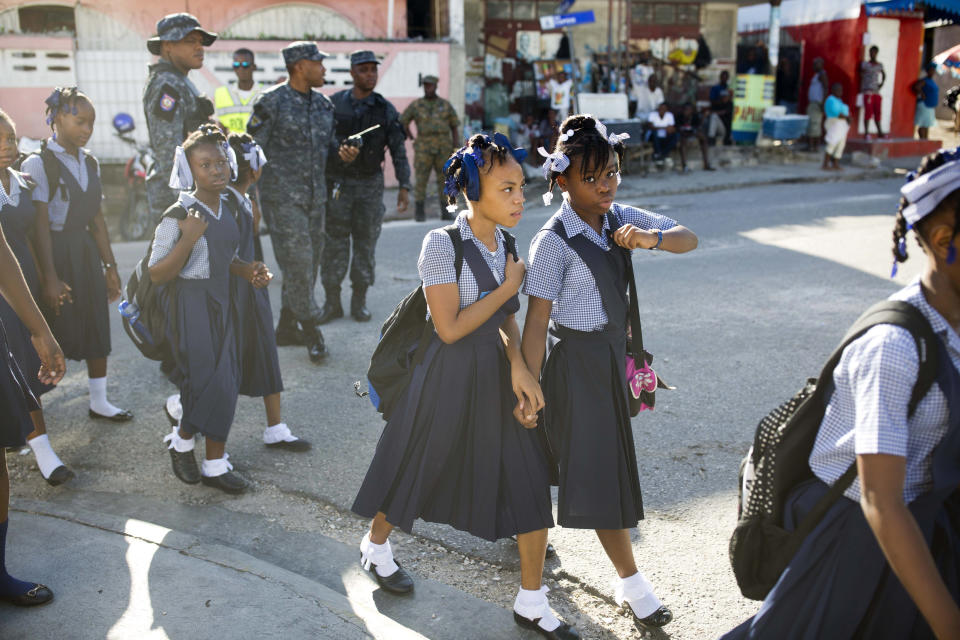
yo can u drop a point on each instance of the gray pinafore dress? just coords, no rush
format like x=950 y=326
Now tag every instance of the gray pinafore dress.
x=256 y=340
x=452 y=451
x=17 y=222
x=82 y=327
x=586 y=419
x=205 y=349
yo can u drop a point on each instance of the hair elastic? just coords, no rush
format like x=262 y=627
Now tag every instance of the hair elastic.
x=253 y=154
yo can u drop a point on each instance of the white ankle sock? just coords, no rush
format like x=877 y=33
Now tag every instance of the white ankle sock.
x=174 y=407
x=47 y=460
x=379 y=555
x=178 y=444
x=532 y=604
x=278 y=433
x=218 y=467
x=98 y=398
x=637 y=591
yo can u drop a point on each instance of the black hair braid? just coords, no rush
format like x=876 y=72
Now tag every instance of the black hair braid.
x=491 y=152
x=206 y=134
x=587 y=143
x=929 y=163
x=236 y=142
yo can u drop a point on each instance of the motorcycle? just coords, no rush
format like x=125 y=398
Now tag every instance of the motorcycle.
x=136 y=224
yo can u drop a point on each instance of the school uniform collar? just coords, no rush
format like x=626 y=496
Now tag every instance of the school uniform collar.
x=17 y=184
x=913 y=293
x=574 y=224
x=55 y=146
x=187 y=200
x=466 y=233
x=242 y=197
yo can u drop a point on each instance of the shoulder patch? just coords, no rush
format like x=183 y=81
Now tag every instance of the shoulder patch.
x=166 y=104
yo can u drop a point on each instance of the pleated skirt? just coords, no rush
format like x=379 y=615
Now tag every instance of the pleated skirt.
x=257 y=342
x=205 y=367
x=83 y=326
x=840 y=585
x=16 y=399
x=453 y=453
x=588 y=433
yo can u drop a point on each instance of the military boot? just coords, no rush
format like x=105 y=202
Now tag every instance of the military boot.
x=332 y=309
x=358 y=305
x=316 y=348
x=288 y=332
x=420 y=214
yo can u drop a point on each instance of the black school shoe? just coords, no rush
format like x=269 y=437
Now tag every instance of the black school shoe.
x=399 y=582
x=185 y=466
x=657 y=619
x=229 y=482
x=563 y=632
x=60 y=475
x=122 y=416
x=39 y=594
x=298 y=446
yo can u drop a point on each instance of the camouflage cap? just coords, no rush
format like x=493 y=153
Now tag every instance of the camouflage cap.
x=430 y=80
x=176 y=27
x=302 y=50
x=363 y=56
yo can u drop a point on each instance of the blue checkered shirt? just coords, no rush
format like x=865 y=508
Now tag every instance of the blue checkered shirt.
x=167 y=235
x=17 y=184
x=867 y=413
x=557 y=273
x=59 y=206
x=436 y=263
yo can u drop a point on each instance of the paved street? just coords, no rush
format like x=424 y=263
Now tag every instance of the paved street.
x=737 y=326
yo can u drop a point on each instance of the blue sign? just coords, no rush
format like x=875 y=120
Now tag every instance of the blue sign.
x=567 y=20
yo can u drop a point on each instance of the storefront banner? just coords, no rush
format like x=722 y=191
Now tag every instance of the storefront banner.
x=752 y=95
x=567 y=20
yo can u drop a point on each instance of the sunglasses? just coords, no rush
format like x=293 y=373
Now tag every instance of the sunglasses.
x=245 y=64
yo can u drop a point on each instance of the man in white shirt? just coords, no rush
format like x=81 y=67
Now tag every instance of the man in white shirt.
x=560 y=90
x=663 y=132
x=649 y=96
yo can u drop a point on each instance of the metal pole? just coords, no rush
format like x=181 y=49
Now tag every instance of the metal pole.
x=773 y=36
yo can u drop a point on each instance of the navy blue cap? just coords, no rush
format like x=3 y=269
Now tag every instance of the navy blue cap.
x=363 y=56
x=302 y=50
x=176 y=27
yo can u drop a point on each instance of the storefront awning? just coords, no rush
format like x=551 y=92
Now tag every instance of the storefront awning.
x=933 y=9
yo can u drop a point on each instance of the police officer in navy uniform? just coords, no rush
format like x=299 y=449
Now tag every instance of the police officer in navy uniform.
x=293 y=123
x=356 y=208
x=172 y=104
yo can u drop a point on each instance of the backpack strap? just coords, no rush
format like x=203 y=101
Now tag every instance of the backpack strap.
x=454 y=232
x=900 y=314
x=51 y=167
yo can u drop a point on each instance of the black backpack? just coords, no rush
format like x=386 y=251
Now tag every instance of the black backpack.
x=760 y=548
x=140 y=312
x=405 y=336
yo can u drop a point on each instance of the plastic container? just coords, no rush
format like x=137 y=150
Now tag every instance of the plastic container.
x=787 y=127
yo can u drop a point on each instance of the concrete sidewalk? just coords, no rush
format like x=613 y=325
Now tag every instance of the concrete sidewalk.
x=168 y=571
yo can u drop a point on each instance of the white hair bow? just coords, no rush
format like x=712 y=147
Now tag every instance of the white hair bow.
x=181 y=178
x=613 y=138
x=925 y=193
x=254 y=156
x=232 y=159
x=556 y=161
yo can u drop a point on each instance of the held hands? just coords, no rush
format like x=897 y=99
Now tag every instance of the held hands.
x=513 y=273
x=55 y=293
x=631 y=237
x=529 y=396
x=193 y=226
x=261 y=275
x=348 y=153
x=113 y=284
x=52 y=364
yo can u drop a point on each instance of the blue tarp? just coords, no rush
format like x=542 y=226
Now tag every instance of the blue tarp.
x=933 y=9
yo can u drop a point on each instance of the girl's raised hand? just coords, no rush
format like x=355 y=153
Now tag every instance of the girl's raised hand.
x=113 y=284
x=631 y=237
x=193 y=226
x=513 y=272
x=52 y=364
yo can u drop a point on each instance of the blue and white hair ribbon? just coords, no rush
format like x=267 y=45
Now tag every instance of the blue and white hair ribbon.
x=924 y=193
x=232 y=159
x=181 y=178
x=253 y=154
x=556 y=161
x=502 y=141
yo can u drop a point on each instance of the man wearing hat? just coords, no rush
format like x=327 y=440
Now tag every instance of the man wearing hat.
x=356 y=188
x=437 y=137
x=293 y=124
x=171 y=103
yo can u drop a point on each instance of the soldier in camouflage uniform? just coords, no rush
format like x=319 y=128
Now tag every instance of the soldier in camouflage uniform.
x=293 y=124
x=356 y=205
x=437 y=137
x=171 y=103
